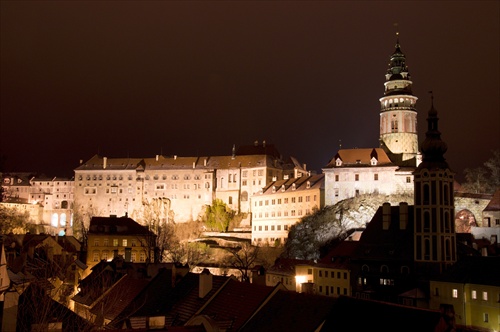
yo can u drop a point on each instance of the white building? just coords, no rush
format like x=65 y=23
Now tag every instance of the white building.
x=283 y=203
x=118 y=186
x=387 y=169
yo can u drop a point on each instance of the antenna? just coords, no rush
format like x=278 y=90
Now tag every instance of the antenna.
x=340 y=144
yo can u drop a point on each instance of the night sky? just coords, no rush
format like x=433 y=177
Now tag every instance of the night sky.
x=140 y=78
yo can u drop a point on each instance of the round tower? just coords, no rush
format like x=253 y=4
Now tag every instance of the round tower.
x=398 y=114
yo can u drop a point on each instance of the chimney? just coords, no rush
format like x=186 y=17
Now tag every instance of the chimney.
x=304 y=166
x=484 y=251
x=403 y=215
x=157 y=157
x=386 y=215
x=175 y=157
x=205 y=162
x=233 y=155
x=104 y=162
x=194 y=164
x=205 y=283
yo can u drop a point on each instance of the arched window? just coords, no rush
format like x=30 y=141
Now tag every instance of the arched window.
x=447 y=226
x=54 y=221
x=446 y=194
x=405 y=270
x=427 y=221
x=365 y=268
x=384 y=269
x=427 y=249
x=62 y=220
x=426 y=194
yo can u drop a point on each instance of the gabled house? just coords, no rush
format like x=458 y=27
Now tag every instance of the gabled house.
x=472 y=288
x=234 y=305
x=109 y=237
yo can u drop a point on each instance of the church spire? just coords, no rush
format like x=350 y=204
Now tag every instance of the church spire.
x=433 y=148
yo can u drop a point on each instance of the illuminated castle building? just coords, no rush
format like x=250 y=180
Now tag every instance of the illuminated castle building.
x=184 y=185
x=388 y=169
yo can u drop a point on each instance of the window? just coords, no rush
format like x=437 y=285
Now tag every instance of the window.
x=124 y=242
x=96 y=243
x=356 y=177
x=485 y=317
x=320 y=273
x=336 y=178
x=485 y=296
x=142 y=256
x=474 y=295
x=133 y=257
x=454 y=293
x=309 y=271
x=133 y=243
x=95 y=257
x=408 y=179
x=115 y=242
x=105 y=242
x=336 y=192
x=375 y=177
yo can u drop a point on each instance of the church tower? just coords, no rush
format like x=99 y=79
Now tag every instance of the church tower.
x=434 y=237
x=398 y=115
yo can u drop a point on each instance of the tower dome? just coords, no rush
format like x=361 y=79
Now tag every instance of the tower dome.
x=398 y=114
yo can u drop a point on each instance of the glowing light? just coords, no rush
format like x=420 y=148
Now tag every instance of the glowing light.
x=300 y=279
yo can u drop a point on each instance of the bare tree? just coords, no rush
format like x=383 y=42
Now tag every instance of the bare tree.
x=243 y=259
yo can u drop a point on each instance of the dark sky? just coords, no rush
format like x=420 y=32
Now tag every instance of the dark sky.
x=140 y=78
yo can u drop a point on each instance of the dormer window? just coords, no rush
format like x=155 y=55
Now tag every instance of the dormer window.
x=283 y=188
x=293 y=186
x=274 y=189
x=374 y=161
x=338 y=162
x=308 y=184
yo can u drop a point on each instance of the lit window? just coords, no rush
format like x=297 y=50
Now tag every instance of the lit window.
x=115 y=242
x=455 y=293
x=124 y=242
x=485 y=296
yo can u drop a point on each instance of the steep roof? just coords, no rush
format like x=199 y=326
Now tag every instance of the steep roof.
x=236 y=303
x=291 y=311
x=369 y=315
x=119 y=226
x=118 y=297
x=99 y=163
x=480 y=270
x=184 y=300
x=494 y=204
x=316 y=181
x=360 y=158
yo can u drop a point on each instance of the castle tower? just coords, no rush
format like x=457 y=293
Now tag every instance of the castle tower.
x=434 y=237
x=398 y=115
